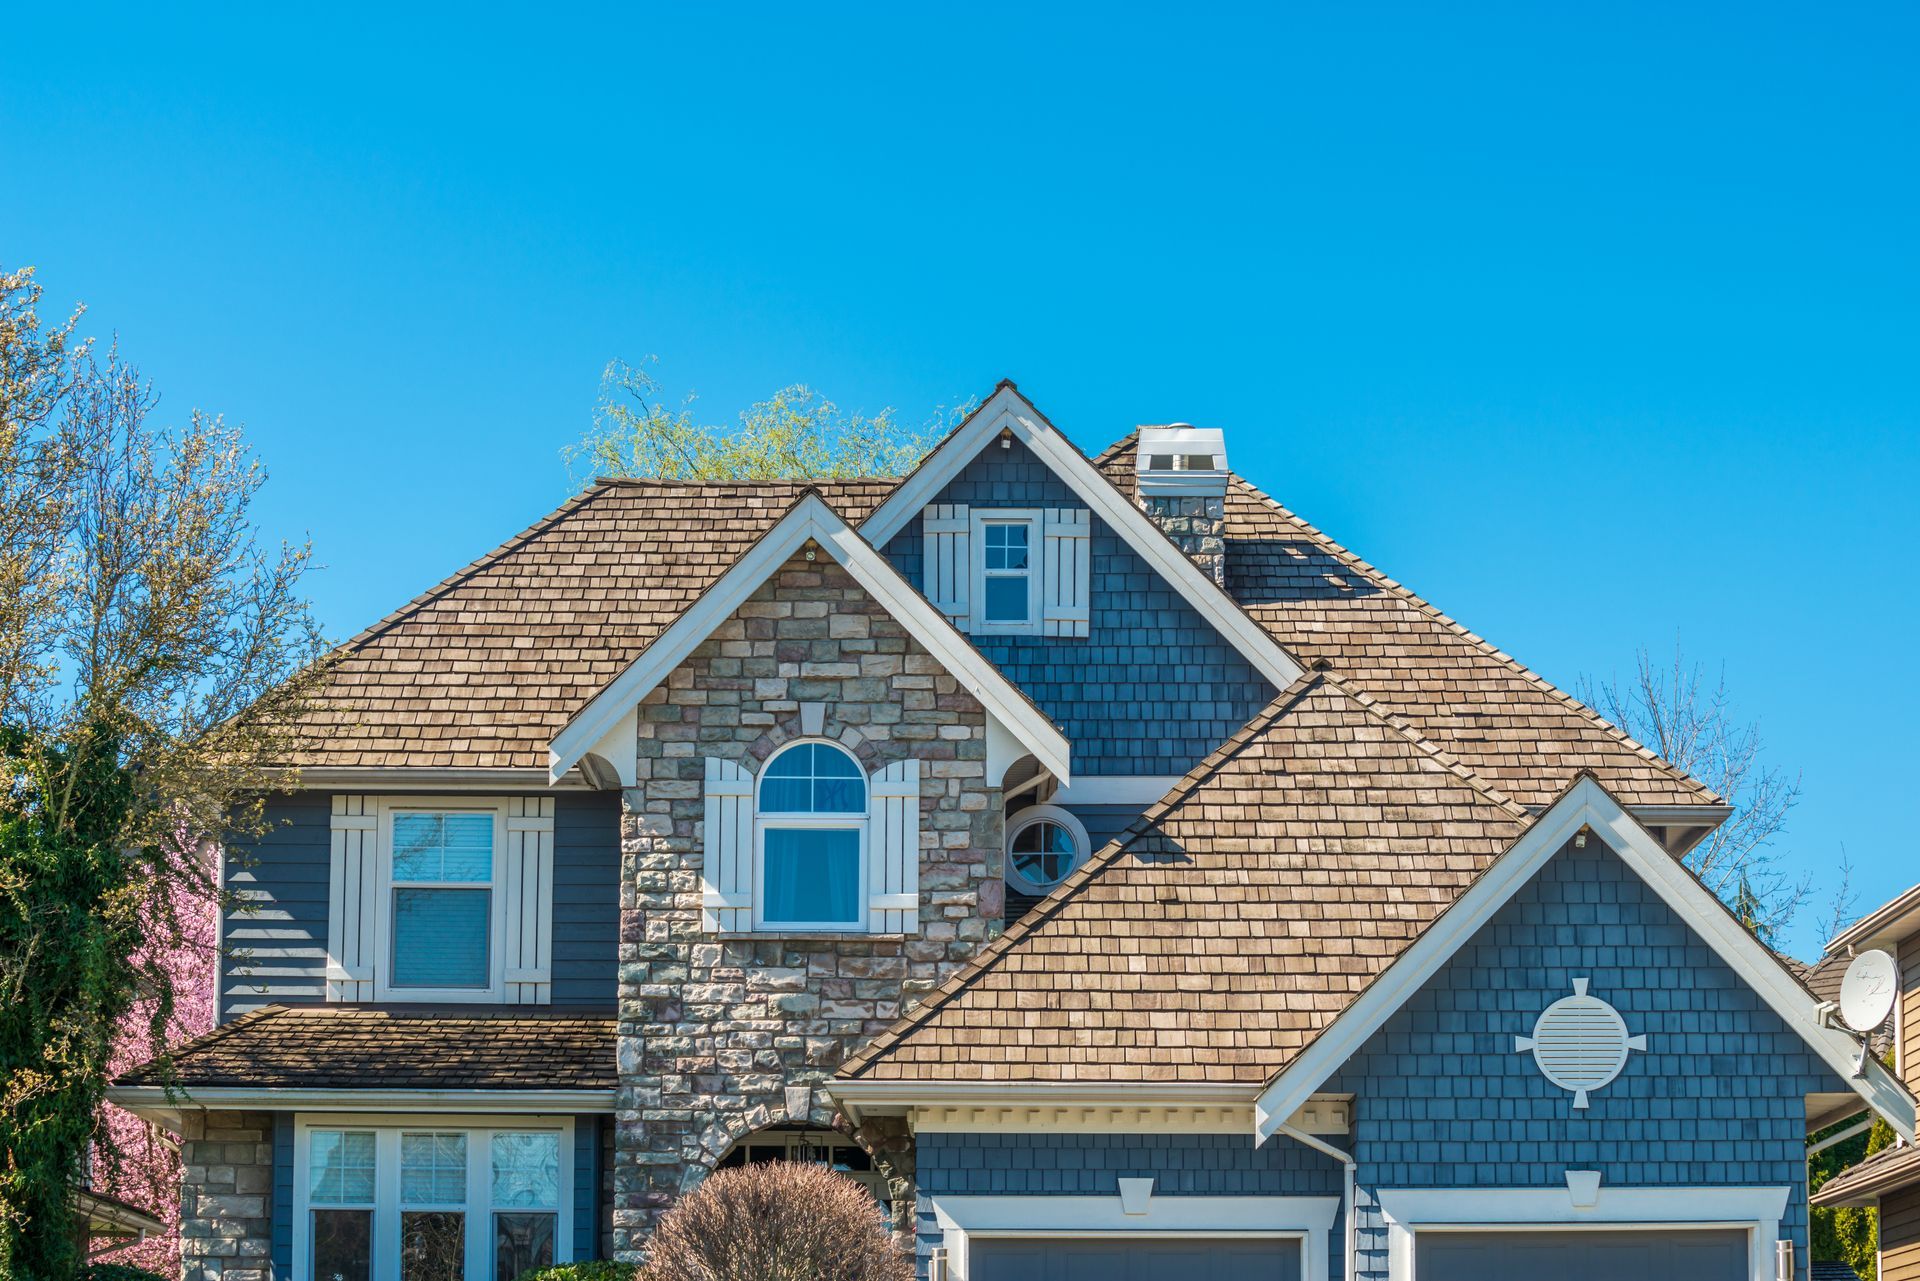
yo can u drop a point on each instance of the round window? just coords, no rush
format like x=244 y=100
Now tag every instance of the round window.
x=1044 y=845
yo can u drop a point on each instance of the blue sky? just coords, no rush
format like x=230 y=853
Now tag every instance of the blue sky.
x=1597 y=328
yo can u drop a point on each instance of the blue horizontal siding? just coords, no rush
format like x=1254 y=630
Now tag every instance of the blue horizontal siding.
x=275 y=934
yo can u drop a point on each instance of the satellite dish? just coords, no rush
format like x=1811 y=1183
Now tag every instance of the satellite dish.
x=1868 y=990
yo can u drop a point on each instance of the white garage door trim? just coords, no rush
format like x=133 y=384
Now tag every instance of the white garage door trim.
x=1306 y=1218
x=1410 y=1210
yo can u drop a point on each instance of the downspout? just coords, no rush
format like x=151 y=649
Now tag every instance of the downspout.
x=1347 y=1193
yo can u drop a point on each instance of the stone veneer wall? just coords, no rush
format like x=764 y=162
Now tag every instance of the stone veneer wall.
x=1198 y=526
x=226 y=1198
x=724 y=1035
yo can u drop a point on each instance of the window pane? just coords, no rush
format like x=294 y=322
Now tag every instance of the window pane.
x=443 y=847
x=521 y=1243
x=340 y=1167
x=1007 y=599
x=343 y=1245
x=433 y=1169
x=1006 y=547
x=812 y=874
x=433 y=1245
x=1043 y=853
x=813 y=778
x=440 y=937
x=526 y=1169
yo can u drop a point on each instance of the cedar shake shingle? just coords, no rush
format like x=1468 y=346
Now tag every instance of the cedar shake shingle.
x=1233 y=921
x=357 y=1047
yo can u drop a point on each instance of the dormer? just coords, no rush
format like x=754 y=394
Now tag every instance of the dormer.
x=1181 y=475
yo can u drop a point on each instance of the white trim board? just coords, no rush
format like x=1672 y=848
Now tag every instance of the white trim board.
x=1116 y=789
x=157 y=1103
x=965 y=1218
x=1408 y=1211
x=1585 y=804
x=810 y=518
x=1007 y=410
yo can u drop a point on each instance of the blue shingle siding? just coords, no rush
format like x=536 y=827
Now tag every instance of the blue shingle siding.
x=1149 y=659
x=1104 y=822
x=1068 y=1164
x=1443 y=1100
x=277 y=952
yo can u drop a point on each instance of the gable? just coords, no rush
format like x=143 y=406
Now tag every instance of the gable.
x=1149 y=659
x=602 y=734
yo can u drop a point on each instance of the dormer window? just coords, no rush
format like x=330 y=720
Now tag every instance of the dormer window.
x=1008 y=571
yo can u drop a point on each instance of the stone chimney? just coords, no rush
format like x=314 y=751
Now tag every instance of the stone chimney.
x=1182 y=474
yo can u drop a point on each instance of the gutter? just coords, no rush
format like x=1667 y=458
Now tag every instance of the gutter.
x=158 y=1103
x=886 y=1097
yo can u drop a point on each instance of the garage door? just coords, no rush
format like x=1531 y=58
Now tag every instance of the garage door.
x=1581 y=1256
x=1160 y=1259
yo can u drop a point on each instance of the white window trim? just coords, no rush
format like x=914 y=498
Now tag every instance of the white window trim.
x=387 y=1128
x=383 y=987
x=980 y=517
x=859 y=821
x=1408 y=1211
x=1021 y=819
x=1308 y=1219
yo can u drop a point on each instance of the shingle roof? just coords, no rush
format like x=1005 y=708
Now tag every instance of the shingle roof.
x=347 y=1047
x=1885 y=1171
x=1508 y=724
x=1232 y=922
x=482 y=670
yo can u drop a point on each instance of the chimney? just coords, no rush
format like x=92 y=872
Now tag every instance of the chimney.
x=1182 y=475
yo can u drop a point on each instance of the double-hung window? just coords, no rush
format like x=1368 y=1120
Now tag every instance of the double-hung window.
x=1008 y=574
x=442 y=904
x=812 y=822
x=449 y=1201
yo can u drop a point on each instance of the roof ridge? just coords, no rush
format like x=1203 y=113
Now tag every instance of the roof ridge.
x=716 y=482
x=1378 y=576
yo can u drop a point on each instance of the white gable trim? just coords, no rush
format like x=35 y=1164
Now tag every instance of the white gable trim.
x=1586 y=804
x=810 y=518
x=1008 y=410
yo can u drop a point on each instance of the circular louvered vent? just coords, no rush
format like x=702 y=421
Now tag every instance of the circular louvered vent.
x=1580 y=1043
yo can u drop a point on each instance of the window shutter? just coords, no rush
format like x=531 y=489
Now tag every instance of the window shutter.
x=352 y=882
x=726 y=872
x=529 y=891
x=893 y=834
x=944 y=554
x=1066 y=572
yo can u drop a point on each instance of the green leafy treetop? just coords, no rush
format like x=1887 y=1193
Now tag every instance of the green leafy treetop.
x=795 y=434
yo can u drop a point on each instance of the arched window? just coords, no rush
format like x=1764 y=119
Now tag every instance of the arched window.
x=1044 y=845
x=811 y=821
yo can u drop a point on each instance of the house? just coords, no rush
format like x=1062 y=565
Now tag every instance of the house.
x=1890 y=1178
x=1111 y=871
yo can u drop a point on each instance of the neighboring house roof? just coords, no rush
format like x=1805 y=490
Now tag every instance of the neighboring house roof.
x=810 y=520
x=1506 y=723
x=1885 y=1171
x=461 y=1048
x=1830 y=1271
x=482 y=670
x=1888 y=923
x=1323 y=831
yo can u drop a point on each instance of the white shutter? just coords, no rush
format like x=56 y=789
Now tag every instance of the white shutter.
x=352 y=883
x=1065 y=572
x=893 y=836
x=726 y=869
x=529 y=891
x=945 y=553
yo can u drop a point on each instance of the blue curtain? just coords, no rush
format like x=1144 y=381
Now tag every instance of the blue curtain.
x=812 y=875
